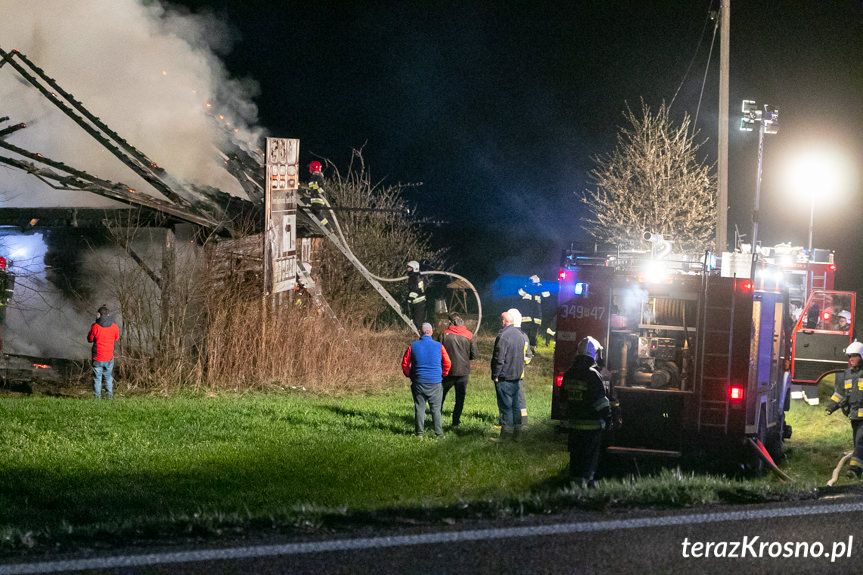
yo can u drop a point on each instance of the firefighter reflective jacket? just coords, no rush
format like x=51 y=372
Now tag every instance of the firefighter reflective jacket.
x=587 y=405
x=531 y=308
x=848 y=394
x=417 y=288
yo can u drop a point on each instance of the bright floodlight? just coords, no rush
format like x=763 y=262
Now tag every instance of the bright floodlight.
x=819 y=172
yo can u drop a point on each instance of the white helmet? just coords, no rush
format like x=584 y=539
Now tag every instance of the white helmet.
x=414 y=265
x=591 y=347
x=846 y=314
x=855 y=347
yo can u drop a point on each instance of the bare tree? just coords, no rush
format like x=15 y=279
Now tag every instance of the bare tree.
x=374 y=218
x=653 y=181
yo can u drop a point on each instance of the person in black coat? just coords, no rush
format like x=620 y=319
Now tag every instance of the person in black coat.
x=461 y=347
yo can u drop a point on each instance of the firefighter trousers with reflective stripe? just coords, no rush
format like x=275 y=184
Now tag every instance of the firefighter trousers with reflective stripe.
x=856 y=462
x=584 y=447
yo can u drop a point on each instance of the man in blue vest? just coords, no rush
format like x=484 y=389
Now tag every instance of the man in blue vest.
x=426 y=362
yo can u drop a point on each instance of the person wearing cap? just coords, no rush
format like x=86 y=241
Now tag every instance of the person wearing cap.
x=416 y=293
x=426 y=362
x=848 y=396
x=460 y=345
x=507 y=368
x=588 y=411
x=103 y=333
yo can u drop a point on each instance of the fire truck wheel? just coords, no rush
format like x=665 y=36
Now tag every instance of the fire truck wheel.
x=756 y=464
x=776 y=440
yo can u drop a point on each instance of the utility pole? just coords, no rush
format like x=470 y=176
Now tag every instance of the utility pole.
x=722 y=159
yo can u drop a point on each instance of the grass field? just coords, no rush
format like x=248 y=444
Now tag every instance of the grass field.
x=153 y=466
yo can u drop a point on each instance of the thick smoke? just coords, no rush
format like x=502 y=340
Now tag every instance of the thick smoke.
x=149 y=74
x=146 y=72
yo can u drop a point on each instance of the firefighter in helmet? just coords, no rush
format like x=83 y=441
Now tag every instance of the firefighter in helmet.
x=531 y=307
x=848 y=396
x=315 y=198
x=588 y=411
x=843 y=321
x=416 y=294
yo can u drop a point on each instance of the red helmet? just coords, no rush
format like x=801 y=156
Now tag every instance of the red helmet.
x=315 y=167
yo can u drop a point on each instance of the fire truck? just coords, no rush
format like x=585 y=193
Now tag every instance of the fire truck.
x=819 y=337
x=697 y=354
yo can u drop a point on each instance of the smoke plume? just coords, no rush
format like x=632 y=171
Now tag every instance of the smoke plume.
x=147 y=72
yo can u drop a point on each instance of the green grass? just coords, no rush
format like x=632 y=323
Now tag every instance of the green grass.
x=154 y=466
x=817 y=444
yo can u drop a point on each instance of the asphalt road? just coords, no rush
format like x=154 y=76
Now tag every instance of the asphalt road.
x=809 y=537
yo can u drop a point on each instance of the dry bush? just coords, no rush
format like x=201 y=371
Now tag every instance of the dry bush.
x=295 y=346
x=216 y=332
x=374 y=219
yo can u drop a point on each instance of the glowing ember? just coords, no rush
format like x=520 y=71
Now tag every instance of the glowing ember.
x=41 y=366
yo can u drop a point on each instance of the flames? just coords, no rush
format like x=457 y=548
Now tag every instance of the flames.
x=41 y=366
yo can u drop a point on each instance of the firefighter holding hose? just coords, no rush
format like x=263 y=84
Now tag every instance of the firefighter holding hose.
x=848 y=395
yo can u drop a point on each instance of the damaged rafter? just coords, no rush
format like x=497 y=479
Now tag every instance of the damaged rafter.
x=126 y=245
x=74 y=179
x=112 y=141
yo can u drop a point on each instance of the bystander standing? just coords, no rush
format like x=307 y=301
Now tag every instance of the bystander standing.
x=426 y=362
x=103 y=333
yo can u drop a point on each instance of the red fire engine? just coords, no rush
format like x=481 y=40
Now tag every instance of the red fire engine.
x=824 y=317
x=697 y=355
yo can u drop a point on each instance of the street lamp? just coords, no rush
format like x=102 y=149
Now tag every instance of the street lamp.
x=768 y=121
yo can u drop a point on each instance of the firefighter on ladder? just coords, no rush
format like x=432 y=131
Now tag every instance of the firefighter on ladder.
x=416 y=294
x=848 y=396
x=531 y=308
x=588 y=411
x=315 y=194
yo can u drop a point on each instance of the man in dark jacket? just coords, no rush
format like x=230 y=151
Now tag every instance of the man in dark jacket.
x=588 y=411
x=507 y=368
x=461 y=347
x=103 y=333
x=528 y=356
x=848 y=395
x=426 y=362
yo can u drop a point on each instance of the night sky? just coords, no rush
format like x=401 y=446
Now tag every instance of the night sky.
x=498 y=109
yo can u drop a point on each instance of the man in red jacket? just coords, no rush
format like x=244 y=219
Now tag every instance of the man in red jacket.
x=103 y=333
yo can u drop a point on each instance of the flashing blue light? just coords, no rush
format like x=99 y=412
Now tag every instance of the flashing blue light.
x=580 y=288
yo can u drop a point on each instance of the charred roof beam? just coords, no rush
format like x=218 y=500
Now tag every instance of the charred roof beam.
x=125 y=152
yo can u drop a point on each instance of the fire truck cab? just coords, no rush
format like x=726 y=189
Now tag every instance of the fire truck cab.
x=696 y=354
x=819 y=337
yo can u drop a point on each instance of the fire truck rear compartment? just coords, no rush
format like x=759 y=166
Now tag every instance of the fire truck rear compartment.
x=650 y=348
